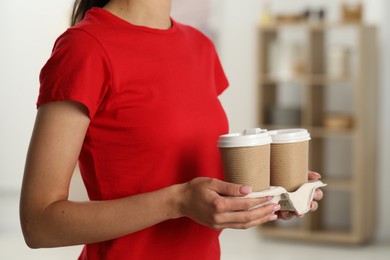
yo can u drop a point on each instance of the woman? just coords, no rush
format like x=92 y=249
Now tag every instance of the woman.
x=133 y=96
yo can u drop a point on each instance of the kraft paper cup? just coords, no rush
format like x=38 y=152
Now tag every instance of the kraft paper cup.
x=289 y=158
x=246 y=158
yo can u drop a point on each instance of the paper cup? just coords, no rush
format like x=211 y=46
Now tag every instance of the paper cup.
x=289 y=158
x=246 y=158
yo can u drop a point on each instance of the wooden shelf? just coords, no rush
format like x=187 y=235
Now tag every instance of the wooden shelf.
x=271 y=79
x=323 y=236
x=315 y=26
x=323 y=132
x=316 y=131
x=315 y=80
x=356 y=132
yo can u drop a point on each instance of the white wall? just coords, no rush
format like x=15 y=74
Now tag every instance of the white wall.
x=27 y=32
x=384 y=125
x=237 y=49
x=236 y=21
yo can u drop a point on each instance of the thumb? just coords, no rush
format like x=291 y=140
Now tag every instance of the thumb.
x=230 y=189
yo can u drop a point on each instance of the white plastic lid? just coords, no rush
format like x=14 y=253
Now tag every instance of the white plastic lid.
x=249 y=137
x=293 y=135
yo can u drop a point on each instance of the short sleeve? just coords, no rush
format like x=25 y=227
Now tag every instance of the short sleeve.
x=220 y=80
x=78 y=70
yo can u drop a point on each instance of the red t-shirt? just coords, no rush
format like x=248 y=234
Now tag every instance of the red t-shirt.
x=152 y=97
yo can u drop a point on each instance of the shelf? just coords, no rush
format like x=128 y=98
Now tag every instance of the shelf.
x=315 y=26
x=341 y=140
x=316 y=132
x=317 y=79
x=323 y=79
x=267 y=79
x=276 y=127
x=324 y=236
x=323 y=132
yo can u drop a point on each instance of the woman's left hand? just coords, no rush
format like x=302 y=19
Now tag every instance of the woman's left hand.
x=286 y=215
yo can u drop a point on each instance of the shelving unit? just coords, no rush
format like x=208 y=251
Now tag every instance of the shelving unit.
x=347 y=214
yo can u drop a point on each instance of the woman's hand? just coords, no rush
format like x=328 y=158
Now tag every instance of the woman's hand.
x=218 y=205
x=313 y=176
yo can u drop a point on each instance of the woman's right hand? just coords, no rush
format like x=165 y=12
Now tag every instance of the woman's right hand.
x=219 y=205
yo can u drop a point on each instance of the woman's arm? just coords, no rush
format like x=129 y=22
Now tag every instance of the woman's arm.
x=49 y=219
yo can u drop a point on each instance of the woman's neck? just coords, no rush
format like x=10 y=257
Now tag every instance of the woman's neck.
x=149 y=13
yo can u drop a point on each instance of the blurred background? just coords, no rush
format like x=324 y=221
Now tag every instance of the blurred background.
x=318 y=64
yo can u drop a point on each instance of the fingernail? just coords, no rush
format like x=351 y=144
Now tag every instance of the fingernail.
x=317 y=174
x=272 y=217
x=277 y=207
x=245 y=189
x=269 y=198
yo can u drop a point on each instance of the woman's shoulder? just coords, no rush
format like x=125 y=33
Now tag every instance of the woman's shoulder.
x=77 y=39
x=88 y=29
x=194 y=33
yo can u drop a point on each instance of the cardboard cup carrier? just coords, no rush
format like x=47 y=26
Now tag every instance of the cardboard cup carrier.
x=246 y=158
x=289 y=158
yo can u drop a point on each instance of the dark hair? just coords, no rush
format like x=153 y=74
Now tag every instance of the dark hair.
x=80 y=7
